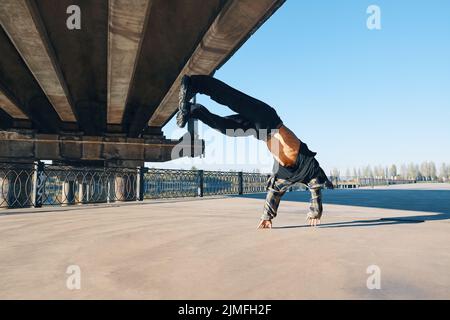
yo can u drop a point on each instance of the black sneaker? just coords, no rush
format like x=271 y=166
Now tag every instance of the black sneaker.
x=184 y=115
x=183 y=101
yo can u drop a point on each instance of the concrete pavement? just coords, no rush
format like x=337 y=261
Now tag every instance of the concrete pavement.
x=210 y=249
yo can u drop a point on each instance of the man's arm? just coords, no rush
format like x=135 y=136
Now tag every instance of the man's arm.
x=275 y=190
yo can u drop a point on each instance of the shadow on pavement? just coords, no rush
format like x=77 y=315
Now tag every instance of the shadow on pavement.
x=373 y=223
x=437 y=201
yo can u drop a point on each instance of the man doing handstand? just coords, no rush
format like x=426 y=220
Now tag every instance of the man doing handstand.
x=294 y=162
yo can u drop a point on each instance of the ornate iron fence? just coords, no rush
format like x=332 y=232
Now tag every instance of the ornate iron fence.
x=218 y=183
x=68 y=185
x=16 y=185
x=254 y=182
x=159 y=183
x=25 y=185
x=358 y=182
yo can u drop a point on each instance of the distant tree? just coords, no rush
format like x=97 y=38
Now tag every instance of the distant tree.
x=425 y=171
x=378 y=171
x=404 y=171
x=347 y=173
x=355 y=173
x=393 y=171
x=413 y=171
x=432 y=170
x=367 y=172
x=443 y=172
x=428 y=171
x=336 y=173
x=375 y=171
x=418 y=173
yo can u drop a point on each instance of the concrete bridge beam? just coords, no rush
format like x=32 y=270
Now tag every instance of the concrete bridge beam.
x=126 y=27
x=116 y=151
x=29 y=38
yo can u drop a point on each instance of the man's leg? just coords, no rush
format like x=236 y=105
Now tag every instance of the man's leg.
x=234 y=125
x=256 y=111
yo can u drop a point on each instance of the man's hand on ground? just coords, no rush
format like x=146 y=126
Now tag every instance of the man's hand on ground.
x=313 y=222
x=265 y=224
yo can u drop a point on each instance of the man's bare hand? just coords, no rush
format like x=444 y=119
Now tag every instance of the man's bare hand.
x=265 y=224
x=313 y=222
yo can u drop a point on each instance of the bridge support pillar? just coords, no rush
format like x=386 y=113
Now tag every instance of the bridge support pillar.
x=100 y=190
x=68 y=193
x=93 y=189
x=83 y=193
x=125 y=187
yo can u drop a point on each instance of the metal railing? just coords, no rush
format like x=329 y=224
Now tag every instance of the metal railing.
x=37 y=185
x=17 y=184
x=359 y=182
x=254 y=182
x=160 y=183
x=220 y=183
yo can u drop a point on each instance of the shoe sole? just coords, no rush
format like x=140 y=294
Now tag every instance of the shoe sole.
x=182 y=96
x=182 y=104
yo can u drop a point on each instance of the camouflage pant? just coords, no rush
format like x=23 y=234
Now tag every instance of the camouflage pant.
x=276 y=188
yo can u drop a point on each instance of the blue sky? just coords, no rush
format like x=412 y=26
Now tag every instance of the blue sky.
x=356 y=96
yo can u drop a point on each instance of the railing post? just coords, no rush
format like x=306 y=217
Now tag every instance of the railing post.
x=200 y=180
x=140 y=183
x=38 y=184
x=240 y=183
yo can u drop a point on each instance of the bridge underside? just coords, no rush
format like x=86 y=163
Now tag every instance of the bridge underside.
x=105 y=91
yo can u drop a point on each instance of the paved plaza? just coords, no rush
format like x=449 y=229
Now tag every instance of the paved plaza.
x=210 y=249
